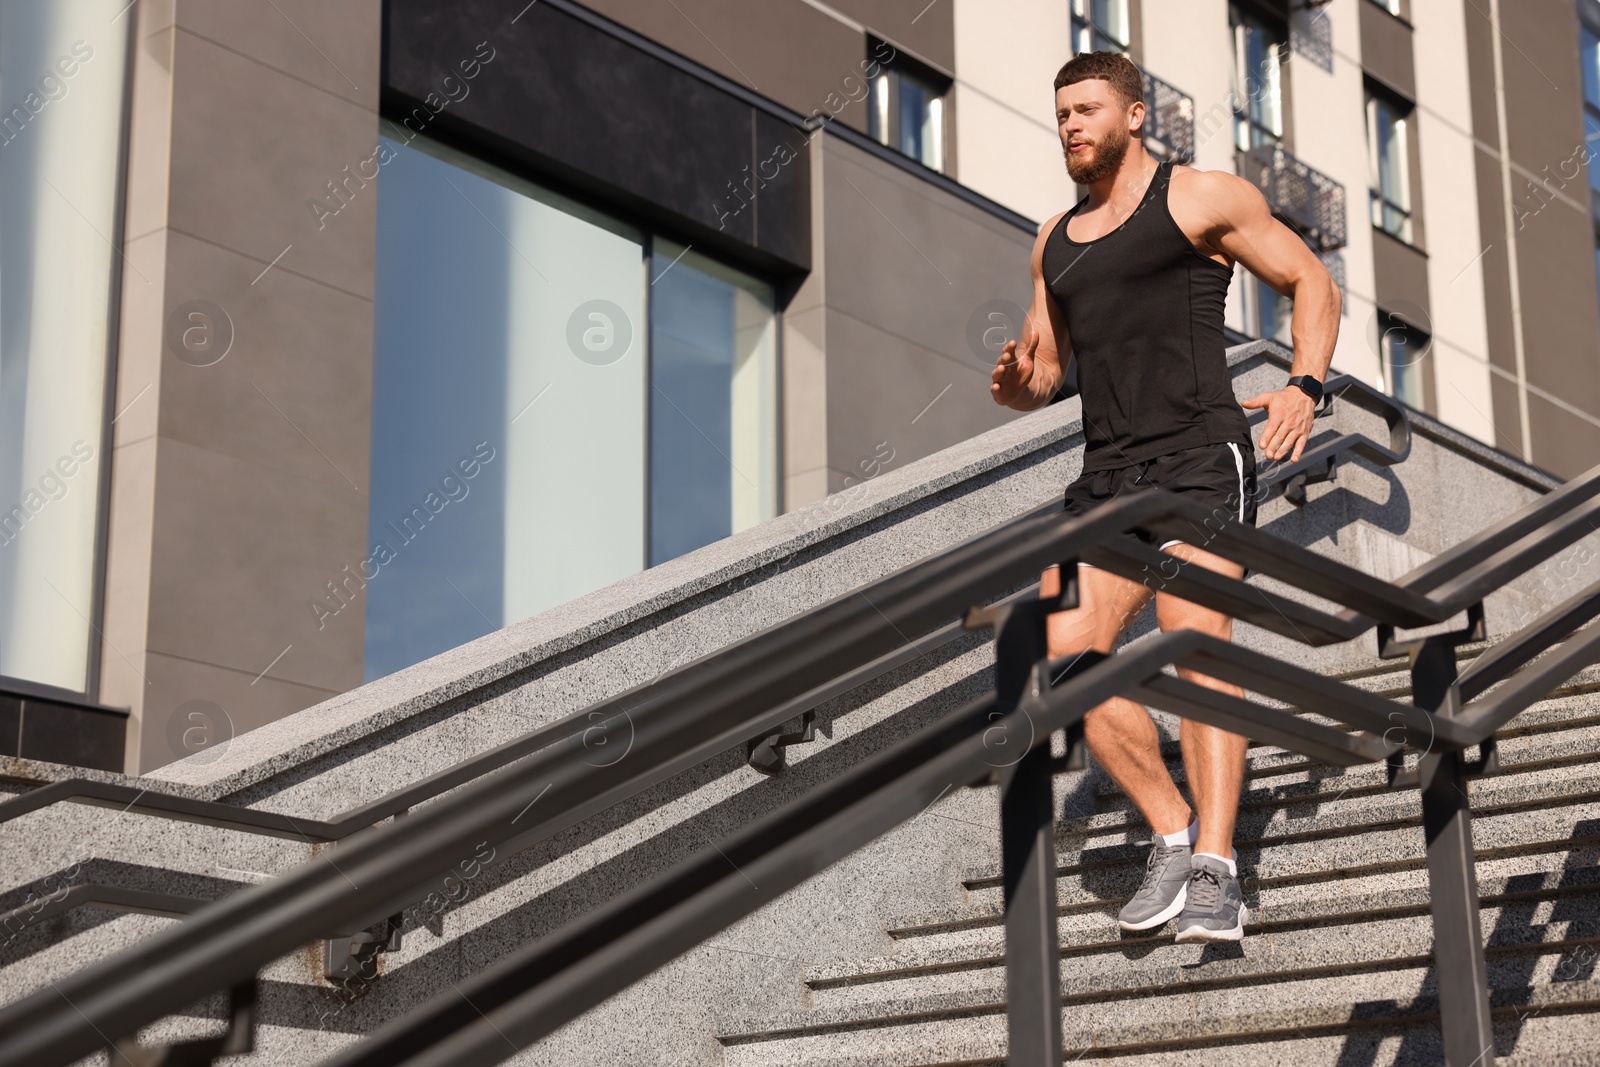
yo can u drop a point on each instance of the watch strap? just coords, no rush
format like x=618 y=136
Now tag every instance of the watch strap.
x=1308 y=385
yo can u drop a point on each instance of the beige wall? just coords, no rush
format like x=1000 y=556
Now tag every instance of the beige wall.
x=1443 y=121
x=1007 y=56
x=1198 y=60
x=239 y=488
x=1330 y=135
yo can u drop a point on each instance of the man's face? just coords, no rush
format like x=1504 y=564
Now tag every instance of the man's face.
x=1093 y=121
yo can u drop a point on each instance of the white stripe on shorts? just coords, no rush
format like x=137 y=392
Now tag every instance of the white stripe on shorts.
x=1238 y=461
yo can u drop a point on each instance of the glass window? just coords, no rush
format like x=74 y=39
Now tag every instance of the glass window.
x=1391 y=6
x=907 y=112
x=61 y=113
x=508 y=404
x=1259 y=49
x=556 y=405
x=1591 y=135
x=1403 y=347
x=1590 y=55
x=921 y=121
x=713 y=385
x=1100 y=25
x=1388 y=166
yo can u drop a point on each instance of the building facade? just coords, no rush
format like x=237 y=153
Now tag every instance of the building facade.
x=338 y=335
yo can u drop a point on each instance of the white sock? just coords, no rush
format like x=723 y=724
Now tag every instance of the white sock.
x=1233 y=868
x=1183 y=837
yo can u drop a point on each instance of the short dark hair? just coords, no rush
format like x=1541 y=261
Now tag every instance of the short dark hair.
x=1114 y=67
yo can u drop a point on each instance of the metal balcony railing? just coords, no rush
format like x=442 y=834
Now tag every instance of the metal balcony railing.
x=1311 y=35
x=712 y=704
x=1306 y=199
x=1169 y=122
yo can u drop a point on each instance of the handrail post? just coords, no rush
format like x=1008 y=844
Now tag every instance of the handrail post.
x=1458 y=961
x=1459 y=966
x=1027 y=844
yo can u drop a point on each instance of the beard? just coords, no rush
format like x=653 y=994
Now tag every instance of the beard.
x=1107 y=155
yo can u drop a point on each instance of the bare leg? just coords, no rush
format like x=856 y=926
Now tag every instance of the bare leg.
x=1212 y=758
x=1120 y=733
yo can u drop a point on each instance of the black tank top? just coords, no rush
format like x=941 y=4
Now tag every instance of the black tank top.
x=1144 y=311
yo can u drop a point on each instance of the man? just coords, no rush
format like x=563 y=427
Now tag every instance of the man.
x=1131 y=284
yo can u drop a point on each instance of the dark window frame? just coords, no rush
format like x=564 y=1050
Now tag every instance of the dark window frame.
x=1589 y=27
x=1085 y=23
x=893 y=72
x=1589 y=38
x=1387 y=322
x=1276 y=25
x=1380 y=207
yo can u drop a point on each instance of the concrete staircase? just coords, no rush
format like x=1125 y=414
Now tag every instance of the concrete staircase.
x=1336 y=965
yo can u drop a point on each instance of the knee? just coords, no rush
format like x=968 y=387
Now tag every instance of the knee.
x=1173 y=614
x=1071 y=632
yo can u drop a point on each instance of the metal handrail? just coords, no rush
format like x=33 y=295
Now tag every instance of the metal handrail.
x=530 y=993
x=684 y=718
x=1513 y=653
x=1316 y=464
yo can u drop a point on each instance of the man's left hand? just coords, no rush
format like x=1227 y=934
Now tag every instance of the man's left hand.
x=1289 y=415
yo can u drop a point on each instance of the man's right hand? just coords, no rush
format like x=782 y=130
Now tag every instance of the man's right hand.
x=1013 y=371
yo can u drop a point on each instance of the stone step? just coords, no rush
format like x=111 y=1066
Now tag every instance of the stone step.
x=1543 y=795
x=1545 y=1004
x=1520 y=838
x=1515 y=909
x=1546 y=1024
x=1241 y=976
x=1523 y=1037
x=1141 y=966
x=1089 y=920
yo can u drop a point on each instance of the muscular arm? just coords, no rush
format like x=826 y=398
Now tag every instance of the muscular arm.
x=1240 y=225
x=1028 y=374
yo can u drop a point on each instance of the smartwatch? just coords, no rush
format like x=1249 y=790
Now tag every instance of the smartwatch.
x=1308 y=385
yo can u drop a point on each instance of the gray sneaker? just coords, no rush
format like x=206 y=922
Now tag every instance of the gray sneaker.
x=1166 y=879
x=1215 y=908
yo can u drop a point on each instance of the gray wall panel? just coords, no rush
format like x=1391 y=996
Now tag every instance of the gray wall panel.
x=784 y=49
x=1555 y=243
x=1480 y=62
x=907 y=269
x=1401 y=272
x=928 y=30
x=239 y=489
x=1386 y=50
x=1564 y=443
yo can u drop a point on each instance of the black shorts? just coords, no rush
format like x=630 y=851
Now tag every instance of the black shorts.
x=1220 y=478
